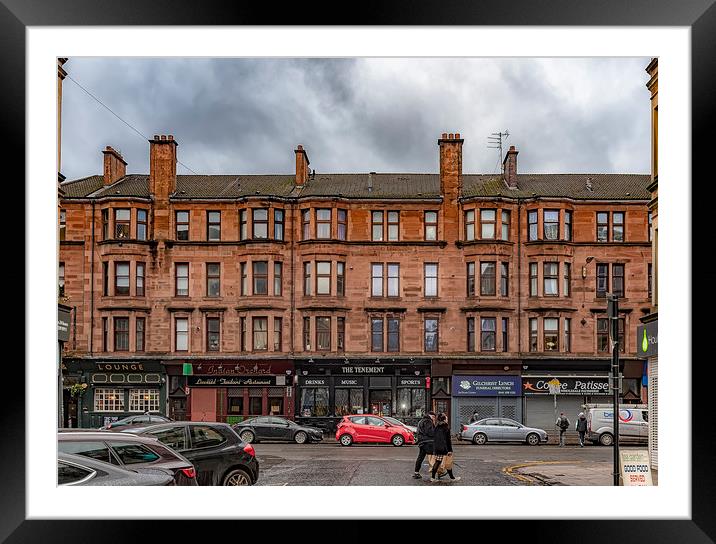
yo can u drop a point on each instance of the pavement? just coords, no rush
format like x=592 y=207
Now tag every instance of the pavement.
x=329 y=464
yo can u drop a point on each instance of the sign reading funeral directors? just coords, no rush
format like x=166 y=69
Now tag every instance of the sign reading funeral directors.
x=486 y=386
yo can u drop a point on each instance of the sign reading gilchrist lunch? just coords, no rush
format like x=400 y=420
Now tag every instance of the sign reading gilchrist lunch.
x=486 y=386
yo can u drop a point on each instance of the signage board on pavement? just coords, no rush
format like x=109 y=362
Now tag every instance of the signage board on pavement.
x=635 y=467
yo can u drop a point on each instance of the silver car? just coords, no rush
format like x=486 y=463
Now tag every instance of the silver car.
x=493 y=429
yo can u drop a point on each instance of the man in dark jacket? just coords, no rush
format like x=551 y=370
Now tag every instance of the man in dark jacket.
x=426 y=434
x=581 y=428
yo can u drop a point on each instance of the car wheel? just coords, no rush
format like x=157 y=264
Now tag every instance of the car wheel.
x=479 y=439
x=247 y=436
x=300 y=437
x=346 y=440
x=237 y=477
x=533 y=439
x=606 y=439
x=397 y=440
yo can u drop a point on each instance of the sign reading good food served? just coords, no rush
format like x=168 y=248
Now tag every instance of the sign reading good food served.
x=635 y=467
x=486 y=386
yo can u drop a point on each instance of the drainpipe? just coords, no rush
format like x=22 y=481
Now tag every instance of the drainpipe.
x=519 y=277
x=91 y=336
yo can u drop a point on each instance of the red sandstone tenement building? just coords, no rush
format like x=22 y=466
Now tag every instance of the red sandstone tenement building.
x=315 y=295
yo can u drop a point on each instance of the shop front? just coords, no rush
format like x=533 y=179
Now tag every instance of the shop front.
x=541 y=407
x=497 y=395
x=99 y=392
x=232 y=391
x=331 y=389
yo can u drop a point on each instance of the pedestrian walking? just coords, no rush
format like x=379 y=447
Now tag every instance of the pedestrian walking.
x=581 y=428
x=562 y=424
x=426 y=433
x=442 y=447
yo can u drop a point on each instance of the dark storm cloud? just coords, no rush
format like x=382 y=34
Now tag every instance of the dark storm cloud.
x=359 y=115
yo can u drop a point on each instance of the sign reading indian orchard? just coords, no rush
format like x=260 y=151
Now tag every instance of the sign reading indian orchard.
x=231 y=381
x=647 y=339
x=486 y=386
x=538 y=385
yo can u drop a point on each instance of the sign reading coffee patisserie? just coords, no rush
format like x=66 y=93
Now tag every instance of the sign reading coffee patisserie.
x=537 y=385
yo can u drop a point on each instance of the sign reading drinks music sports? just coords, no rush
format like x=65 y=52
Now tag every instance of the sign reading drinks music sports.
x=635 y=467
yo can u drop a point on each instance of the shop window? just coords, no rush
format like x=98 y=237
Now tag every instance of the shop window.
x=255 y=406
x=108 y=400
x=348 y=401
x=134 y=378
x=314 y=401
x=275 y=401
x=411 y=402
x=236 y=405
x=144 y=400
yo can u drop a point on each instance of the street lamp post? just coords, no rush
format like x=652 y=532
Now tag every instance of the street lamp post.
x=613 y=313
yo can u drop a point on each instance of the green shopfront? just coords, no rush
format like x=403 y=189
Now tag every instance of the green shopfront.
x=105 y=391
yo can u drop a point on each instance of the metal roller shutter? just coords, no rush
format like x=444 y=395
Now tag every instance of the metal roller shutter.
x=464 y=407
x=653 y=412
x=540 y=413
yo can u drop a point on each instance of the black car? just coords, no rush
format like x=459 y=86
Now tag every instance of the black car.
x=276 y=428
x=81 y=470
x=135 y=420
x=136 y=453
x=217 y=452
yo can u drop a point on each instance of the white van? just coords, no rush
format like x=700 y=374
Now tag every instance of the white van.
x=633 y=423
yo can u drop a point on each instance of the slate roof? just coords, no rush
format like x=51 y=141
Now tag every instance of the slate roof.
x=378 y=186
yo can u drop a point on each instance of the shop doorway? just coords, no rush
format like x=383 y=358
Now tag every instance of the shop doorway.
x=380 y=402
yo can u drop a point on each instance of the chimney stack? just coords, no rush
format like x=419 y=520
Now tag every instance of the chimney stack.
x=451 y=182
x=509 y=168
x=114 y=165
x=302 y=163
x=162 y=166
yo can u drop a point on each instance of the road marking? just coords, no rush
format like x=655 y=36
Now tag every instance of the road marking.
x=532 y=481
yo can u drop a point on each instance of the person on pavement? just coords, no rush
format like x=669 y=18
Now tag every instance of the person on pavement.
x=442 y=447
x=426 y=432
x=581 y=428
x=563 y=424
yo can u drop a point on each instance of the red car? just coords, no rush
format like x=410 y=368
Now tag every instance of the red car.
x=370 y=428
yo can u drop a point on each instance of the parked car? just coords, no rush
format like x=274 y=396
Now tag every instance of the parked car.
x=135 y=420
x=394 y=421
x=633 y=423
x=276 y=428
x=127 y=451
x=217 y=452
x=493 y=429
x=372 y=429
x=81 y=470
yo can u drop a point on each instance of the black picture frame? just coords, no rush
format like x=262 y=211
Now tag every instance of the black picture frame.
x=699 y=15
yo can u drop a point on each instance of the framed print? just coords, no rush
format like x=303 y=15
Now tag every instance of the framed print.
x=348 y=334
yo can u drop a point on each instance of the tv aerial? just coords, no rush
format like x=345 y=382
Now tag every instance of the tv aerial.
x=495 y=142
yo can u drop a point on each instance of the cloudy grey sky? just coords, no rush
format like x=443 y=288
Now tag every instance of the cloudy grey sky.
x=246 y=116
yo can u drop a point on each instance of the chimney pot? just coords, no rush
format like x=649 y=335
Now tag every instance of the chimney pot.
x=457 y=135
x=163 y=137
x=451 y=136
x=156 y=136
x=444 y=135
x=170 y=137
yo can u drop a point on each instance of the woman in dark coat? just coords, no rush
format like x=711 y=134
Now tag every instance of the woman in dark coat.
x=442 y=447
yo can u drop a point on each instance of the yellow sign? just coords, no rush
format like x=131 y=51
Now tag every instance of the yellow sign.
x=635 y=467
